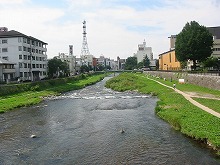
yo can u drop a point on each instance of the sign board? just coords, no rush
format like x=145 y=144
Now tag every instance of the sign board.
x=181 y=81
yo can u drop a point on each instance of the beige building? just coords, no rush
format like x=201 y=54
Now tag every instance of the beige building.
x=168 y=61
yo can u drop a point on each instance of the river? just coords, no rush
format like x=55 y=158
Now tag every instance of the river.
x=84 y=127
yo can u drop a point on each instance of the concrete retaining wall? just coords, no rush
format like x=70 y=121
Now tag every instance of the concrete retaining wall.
x=212 y=82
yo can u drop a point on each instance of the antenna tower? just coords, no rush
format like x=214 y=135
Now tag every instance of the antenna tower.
x=85 y=48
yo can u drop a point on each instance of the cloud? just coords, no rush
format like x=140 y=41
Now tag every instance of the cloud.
x=114 y=28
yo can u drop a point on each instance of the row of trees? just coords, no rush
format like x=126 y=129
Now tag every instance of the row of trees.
x=195 y=43
x=131 y=63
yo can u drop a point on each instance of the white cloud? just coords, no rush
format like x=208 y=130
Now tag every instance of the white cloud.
x=113 y=30
x=12 y=2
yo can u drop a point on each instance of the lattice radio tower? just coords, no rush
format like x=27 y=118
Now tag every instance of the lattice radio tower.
x=85 y=48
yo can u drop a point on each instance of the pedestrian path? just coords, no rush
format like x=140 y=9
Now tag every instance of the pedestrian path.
x=189 y=98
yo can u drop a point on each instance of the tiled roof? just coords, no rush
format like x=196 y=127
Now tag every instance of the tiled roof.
x=13 y=33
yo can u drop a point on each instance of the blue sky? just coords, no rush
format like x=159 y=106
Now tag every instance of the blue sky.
x=114 y=27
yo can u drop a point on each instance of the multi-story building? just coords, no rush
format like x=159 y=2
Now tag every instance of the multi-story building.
x=28 y=53
x=216 y=40
x=143 y=51
x=70 y=60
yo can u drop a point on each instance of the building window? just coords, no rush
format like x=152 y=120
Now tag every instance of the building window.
x=20 y=57
x=19 y=48
x=37 y=65
x=36 y=50
x=20 y=65
x=5 y=58
x=40 y=65
x=24 y=48
x=4 y=50
x=25 y=74
x=33 y=57
x=4 y=41
x=19 y=39
x=21 y=74
x=33 y=65
x=25 y=40
x=29 y=57
x=25 y=57
x=25 y=65
x=29 y=65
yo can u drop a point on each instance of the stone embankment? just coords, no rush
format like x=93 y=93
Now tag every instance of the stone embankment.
x=212 y=82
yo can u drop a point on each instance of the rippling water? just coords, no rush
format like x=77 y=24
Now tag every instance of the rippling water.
x=84 y=127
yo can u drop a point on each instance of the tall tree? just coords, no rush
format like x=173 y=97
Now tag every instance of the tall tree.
x=146 y=62
x=194 y=43
x=131 y=63
x=56 y=66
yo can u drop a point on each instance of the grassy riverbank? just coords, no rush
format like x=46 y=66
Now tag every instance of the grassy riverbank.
x=174 y=108
x=197 y=91
x=34 y=96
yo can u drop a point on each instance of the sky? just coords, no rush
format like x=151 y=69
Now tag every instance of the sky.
x=114 y=27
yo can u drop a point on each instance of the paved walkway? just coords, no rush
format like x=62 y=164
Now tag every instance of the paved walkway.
x=189 y=98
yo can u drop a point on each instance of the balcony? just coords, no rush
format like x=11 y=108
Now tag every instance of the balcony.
x=8 y=70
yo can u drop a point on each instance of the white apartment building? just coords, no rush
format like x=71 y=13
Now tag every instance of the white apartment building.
x=143 y=51
x=28 y=54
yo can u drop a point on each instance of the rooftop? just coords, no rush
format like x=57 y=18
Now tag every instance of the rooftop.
x=13 y=33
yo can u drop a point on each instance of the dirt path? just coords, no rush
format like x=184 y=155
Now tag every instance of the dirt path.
x=189 y=98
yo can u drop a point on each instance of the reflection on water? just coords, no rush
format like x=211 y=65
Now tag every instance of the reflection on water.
x=84 y=127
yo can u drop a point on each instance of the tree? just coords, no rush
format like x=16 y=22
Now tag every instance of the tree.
x=84 y=68
x=194 y=43
x=57 y=67
x=146 y=62
x=140 y=65
x=212 y=62
x=131 y=63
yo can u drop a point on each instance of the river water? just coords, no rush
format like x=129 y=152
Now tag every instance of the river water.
x=84 y=127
